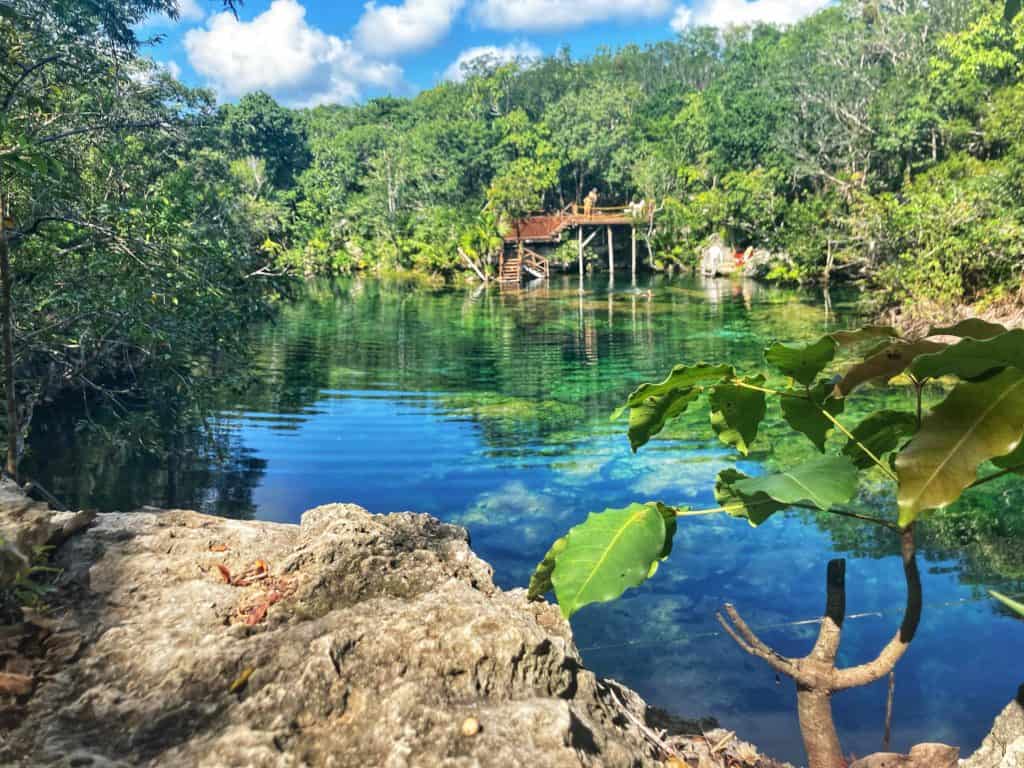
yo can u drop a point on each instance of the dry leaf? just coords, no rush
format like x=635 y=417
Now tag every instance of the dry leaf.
x=218 y=547
x=241 y=680
x=256 y=614
x=224 y=572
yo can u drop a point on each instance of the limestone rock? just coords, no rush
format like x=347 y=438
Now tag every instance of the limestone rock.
x=921 y=756
x=351 y=640
x=1004 y=746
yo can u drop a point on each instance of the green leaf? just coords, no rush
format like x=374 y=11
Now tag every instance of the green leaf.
x=649 y=418
x=681 y=377
x=1013 y=605
x=1014 y=460
x=824 y=482
x=651 y=406
x=977 y=422
x=880 y=433
x=804 y=414
x=883 y=365
x=974 y=328
x=670 y=516
x=1011 y=10
x=607 y=554
x=970 y=358
x=540 y=581
x=736 y=413
x=755 y=507
x=863 y=335
x=804 y=362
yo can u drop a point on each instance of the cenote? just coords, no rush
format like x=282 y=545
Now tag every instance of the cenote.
x=490 y=410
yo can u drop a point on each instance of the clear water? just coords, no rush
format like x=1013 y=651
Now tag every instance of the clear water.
x=491 y=410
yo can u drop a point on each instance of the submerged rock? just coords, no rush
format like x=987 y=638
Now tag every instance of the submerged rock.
x=351 y=640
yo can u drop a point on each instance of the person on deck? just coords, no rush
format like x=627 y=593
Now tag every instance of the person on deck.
x=589 y=203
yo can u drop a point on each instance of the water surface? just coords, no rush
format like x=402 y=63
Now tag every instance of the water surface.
x=490 y=410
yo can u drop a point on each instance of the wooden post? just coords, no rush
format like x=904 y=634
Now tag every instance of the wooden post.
x=581 y=258
x=611 y=252
x=632 y=232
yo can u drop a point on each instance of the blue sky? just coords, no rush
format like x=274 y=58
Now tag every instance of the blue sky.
x=308 y=52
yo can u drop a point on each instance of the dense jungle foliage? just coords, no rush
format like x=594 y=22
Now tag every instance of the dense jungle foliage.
x=872 y=140
x=128 y=245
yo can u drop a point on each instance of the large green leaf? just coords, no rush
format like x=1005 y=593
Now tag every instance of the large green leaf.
x=973 y=328
x=803 y=412
x=681 y=377
x=649 y=417
x=737 y=412
x=881 y=434
x=755 y=507
x=802 y=362
x=883 y=365
x=869 y=333
x=607 y=554
x=540 y=580
x=824 y=482
x=970 y=358
x=1014 y=460
x=1010 y=603
x=651 y=406
x=977 y=422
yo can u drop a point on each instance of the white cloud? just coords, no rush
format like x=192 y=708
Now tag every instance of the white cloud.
x=542 y=15
x=389 y=30
x=681 y=19
x=280 y=53
x=728 y=13
x=491 y=53
x=191 y=10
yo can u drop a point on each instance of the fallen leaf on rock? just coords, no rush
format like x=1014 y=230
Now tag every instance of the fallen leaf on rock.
x=224 y=572
x=15 y=685
x=256 y=614
x=241 y=680
x=218 y=547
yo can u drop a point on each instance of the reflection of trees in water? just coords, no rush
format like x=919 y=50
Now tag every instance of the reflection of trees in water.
x=167 y=457
x=539 y=372
x=983 y=534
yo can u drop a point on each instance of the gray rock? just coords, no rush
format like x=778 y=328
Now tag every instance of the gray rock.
x=376 y=639
x=1004 y=746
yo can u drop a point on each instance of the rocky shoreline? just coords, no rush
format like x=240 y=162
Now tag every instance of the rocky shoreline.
x=179 y=639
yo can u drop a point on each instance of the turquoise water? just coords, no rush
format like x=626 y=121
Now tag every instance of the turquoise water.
x=490 y=410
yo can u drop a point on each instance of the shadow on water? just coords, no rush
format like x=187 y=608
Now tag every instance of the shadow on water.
x=490 y=410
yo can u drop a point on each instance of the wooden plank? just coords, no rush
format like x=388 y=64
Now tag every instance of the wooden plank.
x=632 y=231
x=611 y=251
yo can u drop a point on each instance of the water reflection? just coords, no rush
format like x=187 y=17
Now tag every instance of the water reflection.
x=490 y=409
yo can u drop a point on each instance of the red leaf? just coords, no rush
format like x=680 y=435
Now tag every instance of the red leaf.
x=256 y=614
x=224 y=572
x=218 y=547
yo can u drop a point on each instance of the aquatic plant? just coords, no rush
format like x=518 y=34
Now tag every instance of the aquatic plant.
x=929 y=459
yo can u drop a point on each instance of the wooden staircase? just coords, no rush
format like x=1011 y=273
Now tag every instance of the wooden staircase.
x=511 y=271
x=535 y=264
x=531 y=262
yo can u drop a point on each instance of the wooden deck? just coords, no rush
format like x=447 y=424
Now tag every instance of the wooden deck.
x=548 y=227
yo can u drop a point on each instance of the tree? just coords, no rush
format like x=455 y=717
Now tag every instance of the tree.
x=930 y=459
x=98 y=245
x=257 y=126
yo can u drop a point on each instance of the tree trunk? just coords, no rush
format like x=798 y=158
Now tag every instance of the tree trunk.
x=7 y=322
x=814 y=707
